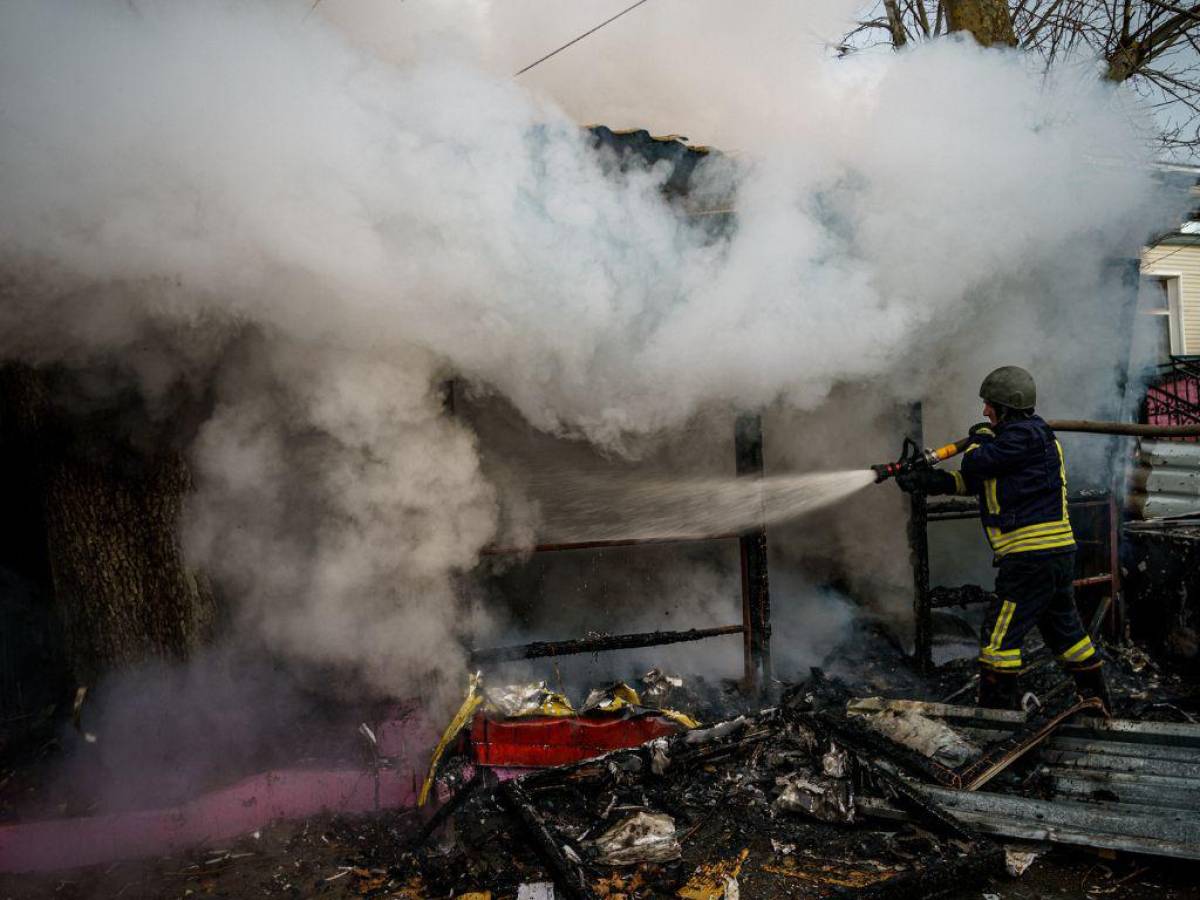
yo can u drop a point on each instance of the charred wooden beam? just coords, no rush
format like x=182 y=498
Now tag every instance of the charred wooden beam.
x=569 y=876
x=483 y=777
x=600 y=545
x=597 y=644
x=941 y=597
x=918 y=552
x=756 y=592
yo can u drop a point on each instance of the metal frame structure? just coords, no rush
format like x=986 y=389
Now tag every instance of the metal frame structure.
x=1101 y=540
x=755 y=627
x=1173 y=394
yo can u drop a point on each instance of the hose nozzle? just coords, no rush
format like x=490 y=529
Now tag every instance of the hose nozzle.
x=913 y=457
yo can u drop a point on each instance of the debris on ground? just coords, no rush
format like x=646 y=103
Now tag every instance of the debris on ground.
x=825 y=793
x=927 y=736
x=1018 y=859
x=643 y=837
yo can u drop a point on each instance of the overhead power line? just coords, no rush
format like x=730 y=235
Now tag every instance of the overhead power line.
x=538 y=62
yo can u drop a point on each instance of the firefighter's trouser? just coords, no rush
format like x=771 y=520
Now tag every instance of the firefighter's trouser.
x=1034 y=589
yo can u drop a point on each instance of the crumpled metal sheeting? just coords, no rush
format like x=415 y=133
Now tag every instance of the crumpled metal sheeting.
x=614 y=698
x=716 y=732
x=824 y=798
x=836 y=762
x=1018 y=859
x=929 y=737
x=1117 y=784
x=529 y=699
x=1106 y=825
x=658 y=686
x=643 y=837
x=659 y=759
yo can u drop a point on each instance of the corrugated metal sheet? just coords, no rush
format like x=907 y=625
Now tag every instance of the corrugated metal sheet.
x=1167 y=482
x=1119 y=785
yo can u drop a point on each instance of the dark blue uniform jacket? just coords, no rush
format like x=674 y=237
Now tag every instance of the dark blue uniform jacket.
x=1017 y=471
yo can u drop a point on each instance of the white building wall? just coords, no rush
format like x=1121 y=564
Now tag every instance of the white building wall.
x=1179 y=265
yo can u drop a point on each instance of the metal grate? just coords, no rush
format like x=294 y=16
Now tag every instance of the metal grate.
x=1173 y=394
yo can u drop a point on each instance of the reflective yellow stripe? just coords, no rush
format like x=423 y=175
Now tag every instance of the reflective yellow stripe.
x=1001 y=545
x=1007 y=608
x=1040 y=540
x=1000 y=663
x=1062 y=474
x=1079 y=652
x=989 y=493
x=960 y=483
x=1021 y=536
x=1016 y=651
x=1076 y=647
x=1058 y=543
x=1035 y=529
x=992 y=501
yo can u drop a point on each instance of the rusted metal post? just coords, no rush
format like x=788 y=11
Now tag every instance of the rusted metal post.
x=918 y=551
x=756 y=594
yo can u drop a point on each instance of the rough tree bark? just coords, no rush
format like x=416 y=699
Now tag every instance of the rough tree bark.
x=111 y=515
x=988 y=21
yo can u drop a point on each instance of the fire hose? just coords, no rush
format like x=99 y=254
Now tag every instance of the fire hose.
x=913 y=457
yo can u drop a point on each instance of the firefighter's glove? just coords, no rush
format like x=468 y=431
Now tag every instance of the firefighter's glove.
x=981 y=432
x=926 y=481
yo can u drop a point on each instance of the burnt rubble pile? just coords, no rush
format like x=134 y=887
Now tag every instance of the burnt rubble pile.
x=682 y=814
x=828 y=793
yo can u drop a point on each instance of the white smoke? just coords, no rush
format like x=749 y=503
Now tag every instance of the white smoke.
x=333 y=234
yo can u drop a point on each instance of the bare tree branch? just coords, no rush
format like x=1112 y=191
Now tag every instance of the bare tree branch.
x=1032 y=33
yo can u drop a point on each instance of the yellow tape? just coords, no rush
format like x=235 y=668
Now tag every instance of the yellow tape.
x=457 y=724
x=682 y=718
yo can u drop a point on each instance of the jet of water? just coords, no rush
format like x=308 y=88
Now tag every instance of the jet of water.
x=586 y=508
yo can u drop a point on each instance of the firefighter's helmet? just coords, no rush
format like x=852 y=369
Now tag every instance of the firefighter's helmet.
x=1009 y=386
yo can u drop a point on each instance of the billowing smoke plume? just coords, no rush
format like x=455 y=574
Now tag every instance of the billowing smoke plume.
x=333 y=234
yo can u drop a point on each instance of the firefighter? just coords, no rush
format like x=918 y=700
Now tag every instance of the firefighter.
x=1015 y=467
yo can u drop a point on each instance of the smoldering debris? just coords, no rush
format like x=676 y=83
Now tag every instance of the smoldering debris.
x=757 y=800
x=643 y=837
x=788 y=793
x=759 y=803
x=824 y=798
x=927 y=736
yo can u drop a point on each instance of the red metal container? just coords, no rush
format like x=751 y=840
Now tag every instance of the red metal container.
x=555 y=741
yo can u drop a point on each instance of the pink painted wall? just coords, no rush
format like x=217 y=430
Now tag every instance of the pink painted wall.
x=221 y=815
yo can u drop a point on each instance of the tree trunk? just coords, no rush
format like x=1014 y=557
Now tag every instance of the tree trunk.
x=988 y=21
x=120 y=585
x=1124 y=62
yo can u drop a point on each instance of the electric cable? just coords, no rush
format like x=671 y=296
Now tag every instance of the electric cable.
x=538 y=62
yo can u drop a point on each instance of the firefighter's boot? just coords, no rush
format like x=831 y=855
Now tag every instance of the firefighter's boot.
x=1090 y=682
x=999 y=690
